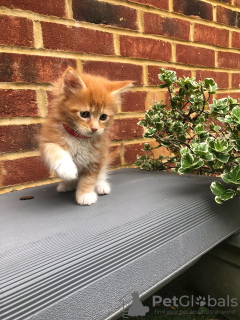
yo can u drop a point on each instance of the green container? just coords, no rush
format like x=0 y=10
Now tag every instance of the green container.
x=216 y=276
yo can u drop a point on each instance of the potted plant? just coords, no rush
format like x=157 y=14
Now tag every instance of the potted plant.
x=202 y=133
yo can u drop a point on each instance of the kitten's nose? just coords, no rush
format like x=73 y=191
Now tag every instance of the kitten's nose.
x=94 y=129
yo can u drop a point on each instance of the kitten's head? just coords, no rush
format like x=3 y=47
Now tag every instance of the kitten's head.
x=88 y=103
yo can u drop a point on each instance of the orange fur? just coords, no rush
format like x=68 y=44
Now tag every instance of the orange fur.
x=81 y=161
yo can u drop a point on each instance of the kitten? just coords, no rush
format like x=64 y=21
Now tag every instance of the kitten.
x=74 y=140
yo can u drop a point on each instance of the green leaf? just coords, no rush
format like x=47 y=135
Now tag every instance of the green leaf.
x=236 y=114
x=222 y=157
x=217 y=188
x=235 y=173
x=199 y=129
x=220 y=145
x=233 y=176
x=201 y=149
x=219 y=200
x=207 y=157
x=187 y=160
x=146 y=146
x=209 y=82
x=161 y=86
x=226 y=177
x=229 y=194
x=238 y=191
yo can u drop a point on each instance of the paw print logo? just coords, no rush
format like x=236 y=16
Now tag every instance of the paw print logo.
x=201 y=301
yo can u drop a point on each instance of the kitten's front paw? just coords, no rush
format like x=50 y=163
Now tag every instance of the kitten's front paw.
x=67 y=170
x=103 y=188
x=65 y=186
x=86 y=199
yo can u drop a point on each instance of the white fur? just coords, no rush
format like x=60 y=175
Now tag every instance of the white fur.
x=60 y=161
x=102 y=186
x=80 y=150
x=86 y=199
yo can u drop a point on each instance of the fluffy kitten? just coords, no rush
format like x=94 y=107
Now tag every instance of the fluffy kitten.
x=74 y=140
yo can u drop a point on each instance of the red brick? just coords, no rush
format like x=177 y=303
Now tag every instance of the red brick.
x=54 y=8
x=12 y=30
x=227 y=17
x=228 y=60
x=117 y=160
x=134 y=150
x=235 y=39
x=235 y=80
x=233 y=95
x=169 y=27
x=126 y=129
x=18 y=103
x=211 y=35
x=27 y=68
x=220 y=77
x=24 y=170
x=115 y=71
x=134 y=101
x=195 y=8
x=161 y=4
x=131 y=152
x=145 y=48
x=153 y=72
x=159 y=96
x=76 y=39
x=97 y=12
x=195 y=56
x=19 y=137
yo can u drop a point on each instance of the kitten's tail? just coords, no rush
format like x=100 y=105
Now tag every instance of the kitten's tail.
x=116 y=153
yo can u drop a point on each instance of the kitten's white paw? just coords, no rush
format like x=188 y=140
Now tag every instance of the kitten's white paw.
x=87 y=199
x=103 y=187
x=67 y=170
x=65 y=186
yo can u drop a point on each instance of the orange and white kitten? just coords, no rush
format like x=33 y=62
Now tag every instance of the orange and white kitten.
x=74 y=140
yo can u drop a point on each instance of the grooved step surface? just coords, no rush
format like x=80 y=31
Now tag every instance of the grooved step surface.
x=64 y=261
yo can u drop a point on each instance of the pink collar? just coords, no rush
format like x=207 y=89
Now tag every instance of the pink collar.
x=74 y=133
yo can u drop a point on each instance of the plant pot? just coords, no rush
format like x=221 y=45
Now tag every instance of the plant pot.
x=217 y=275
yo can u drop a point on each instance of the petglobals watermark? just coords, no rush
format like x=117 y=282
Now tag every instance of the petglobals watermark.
x=191 y=301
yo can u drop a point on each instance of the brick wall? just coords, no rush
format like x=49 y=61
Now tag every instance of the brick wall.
x=120 y=39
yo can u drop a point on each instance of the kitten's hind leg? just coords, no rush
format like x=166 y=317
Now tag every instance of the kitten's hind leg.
x=65 y=186
x=102 y=186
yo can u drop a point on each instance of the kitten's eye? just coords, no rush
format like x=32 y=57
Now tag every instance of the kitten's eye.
x=85 y=114
x=103 y=117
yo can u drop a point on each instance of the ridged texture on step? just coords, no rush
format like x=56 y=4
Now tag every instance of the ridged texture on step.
x=53 y=249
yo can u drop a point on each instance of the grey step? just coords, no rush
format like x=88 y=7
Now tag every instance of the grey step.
x=63 y=261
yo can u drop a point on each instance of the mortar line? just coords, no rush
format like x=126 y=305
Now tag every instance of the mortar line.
x=140 y=20
x=136 y=61
x=71 y=22
x=79 y=66
x=42 y=103
x=116 y=44
x=19 y=155
x=37 y=35
x=20 y=121
x=68 y=9
x=28 y=185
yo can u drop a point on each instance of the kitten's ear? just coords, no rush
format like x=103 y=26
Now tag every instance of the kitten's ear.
x=72 y=81
x=118 y=87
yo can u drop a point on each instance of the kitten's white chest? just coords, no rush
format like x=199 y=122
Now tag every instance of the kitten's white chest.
x=82 y=153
